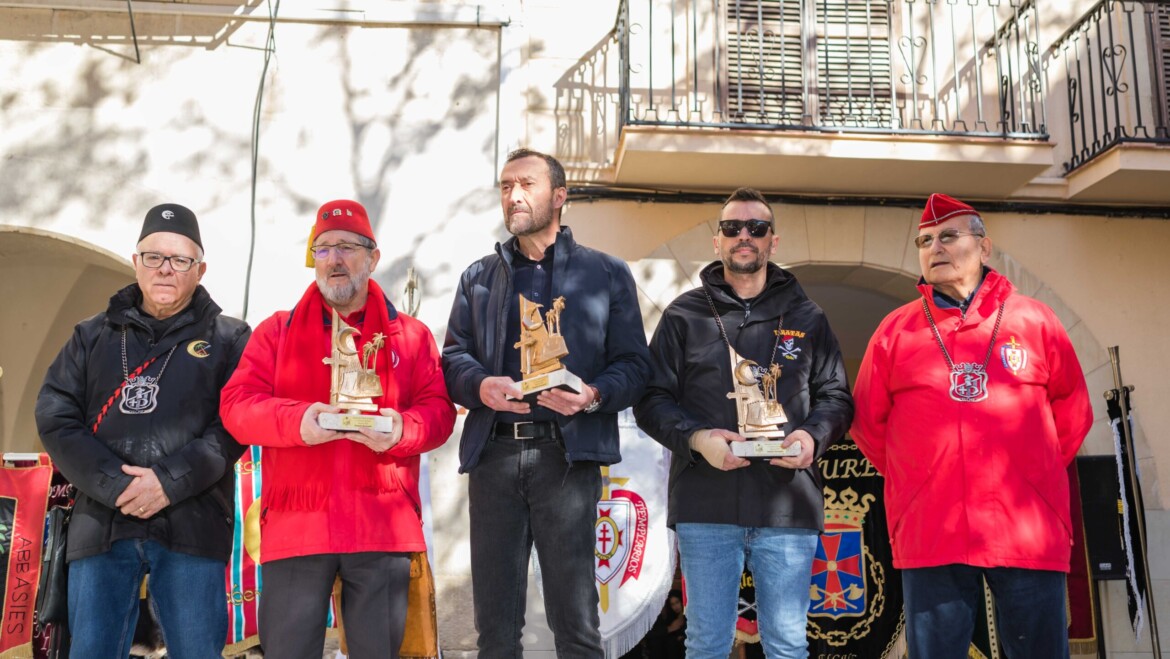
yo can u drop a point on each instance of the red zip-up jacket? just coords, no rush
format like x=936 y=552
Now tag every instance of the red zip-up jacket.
x=975 y=483
x=350 y=521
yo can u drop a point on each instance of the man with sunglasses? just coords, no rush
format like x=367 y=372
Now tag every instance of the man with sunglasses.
x=748 y=319
x=338 y=503
x=129 y=412
x=534 y=466
x=972 y=405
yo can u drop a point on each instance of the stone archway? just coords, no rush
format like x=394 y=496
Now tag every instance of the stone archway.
x=49 y=282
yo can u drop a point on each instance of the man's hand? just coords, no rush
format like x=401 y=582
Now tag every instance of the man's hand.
x=808 y=448
x=380 y=442
x=502 y=395
x=144 y=496
x=311 y=432
x=712 y=445
x=565 y=402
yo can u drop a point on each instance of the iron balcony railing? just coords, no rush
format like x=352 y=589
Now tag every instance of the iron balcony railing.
x=953 y=67
x=1116 y=59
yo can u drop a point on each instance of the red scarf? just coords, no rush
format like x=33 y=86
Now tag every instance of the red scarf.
x=302 y=478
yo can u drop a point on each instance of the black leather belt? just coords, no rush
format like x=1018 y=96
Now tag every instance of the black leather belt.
x=527 y=430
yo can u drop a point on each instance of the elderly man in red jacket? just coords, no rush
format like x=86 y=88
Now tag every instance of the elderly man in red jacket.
x=971 y=403
x=338 y=502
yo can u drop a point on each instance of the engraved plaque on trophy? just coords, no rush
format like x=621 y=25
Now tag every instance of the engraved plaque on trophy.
x=541 y=349
x=758 y=412
x=355 y=383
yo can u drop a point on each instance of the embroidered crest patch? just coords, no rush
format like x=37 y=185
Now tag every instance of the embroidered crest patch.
x=1014 y=356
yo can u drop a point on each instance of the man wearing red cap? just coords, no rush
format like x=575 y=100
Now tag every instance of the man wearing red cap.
x=338 y=502
x=972 y=404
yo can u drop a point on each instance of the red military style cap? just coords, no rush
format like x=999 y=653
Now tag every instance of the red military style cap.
x=940 y=208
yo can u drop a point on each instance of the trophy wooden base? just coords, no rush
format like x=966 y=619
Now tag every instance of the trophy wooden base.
x=559 y=379
x=764 y=449
x=352 y=422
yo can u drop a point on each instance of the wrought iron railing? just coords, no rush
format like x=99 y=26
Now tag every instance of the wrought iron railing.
x=1116 y=59
x=959 y=67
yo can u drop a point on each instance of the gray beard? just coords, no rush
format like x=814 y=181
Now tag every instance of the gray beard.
x=739 y=268
x=536 y=223
x=341 y=294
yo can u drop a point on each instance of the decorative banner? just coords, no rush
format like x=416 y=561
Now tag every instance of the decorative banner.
x=1135 y=572
x=855 y=592
x=244 y=583
x=61 y=493
x=634 y=551
x=24 y=499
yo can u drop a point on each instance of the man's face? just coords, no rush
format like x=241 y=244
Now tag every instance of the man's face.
x=527 y=196
x=743 y=254
x=342 y=278
x=959 y=263
x=164 y=288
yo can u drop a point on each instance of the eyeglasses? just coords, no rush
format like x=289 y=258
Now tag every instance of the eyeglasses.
x=945 y=237
x=178 y=263
x=756 y=228
x=321 y=252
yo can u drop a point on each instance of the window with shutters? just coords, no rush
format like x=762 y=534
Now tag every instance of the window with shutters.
x=1162 y=70
x=809 y=62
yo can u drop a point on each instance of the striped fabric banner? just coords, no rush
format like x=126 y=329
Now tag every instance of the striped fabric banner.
x=244 y=580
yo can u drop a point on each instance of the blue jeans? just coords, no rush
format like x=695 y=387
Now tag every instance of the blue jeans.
x=522 y=492
x=941 y=604
x=188 y=594
x=780 y=559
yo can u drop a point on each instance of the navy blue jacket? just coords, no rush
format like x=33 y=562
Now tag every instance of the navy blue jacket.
x=602 y=326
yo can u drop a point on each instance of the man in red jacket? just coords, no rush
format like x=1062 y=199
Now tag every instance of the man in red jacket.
x=972 y=404
x=338 y=503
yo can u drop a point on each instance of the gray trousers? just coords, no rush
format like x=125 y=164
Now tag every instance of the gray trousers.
x=522 y=492
x=295 y=603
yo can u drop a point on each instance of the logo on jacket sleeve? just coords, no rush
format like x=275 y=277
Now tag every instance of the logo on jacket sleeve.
x=199 y=348
x=1014 y=357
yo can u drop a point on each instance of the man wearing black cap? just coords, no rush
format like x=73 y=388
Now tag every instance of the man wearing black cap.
x=129 y=412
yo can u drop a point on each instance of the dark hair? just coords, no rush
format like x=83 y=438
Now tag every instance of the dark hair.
x=751 y=194
x=556 y=172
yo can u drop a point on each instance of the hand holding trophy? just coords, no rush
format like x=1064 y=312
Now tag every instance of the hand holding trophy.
x=758 y=412
x=541 y=348
x=355 y=382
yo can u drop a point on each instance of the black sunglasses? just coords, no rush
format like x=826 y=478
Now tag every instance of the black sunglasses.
x=756 y=228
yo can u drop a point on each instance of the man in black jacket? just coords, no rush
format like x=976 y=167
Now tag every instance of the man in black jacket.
x=129 y=412
x=725 y=509
x=534 y=467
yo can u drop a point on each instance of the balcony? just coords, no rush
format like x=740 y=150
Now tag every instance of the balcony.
x=1116 y=60
x=855 y=97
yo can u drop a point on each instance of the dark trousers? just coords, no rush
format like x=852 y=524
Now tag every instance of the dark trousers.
x=941 y=604
x=295 y=604
x=523 y=492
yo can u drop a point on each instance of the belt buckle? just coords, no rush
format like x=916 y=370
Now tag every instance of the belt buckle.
x=516 y=429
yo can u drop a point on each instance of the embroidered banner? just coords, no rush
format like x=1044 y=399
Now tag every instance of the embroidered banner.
x=24 y=499
x=634 y=550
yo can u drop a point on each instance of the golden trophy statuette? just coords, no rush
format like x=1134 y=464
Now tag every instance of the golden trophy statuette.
x=541 y=348
x=355 y=383
x=758 y=412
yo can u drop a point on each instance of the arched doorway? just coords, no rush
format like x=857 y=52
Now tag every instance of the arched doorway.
x=48 y=282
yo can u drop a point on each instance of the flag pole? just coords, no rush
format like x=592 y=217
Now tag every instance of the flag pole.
x=1121 y=393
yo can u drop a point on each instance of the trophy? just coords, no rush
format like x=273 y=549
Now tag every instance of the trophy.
x=758 y=412
x=355 y=383
x=541 y=348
